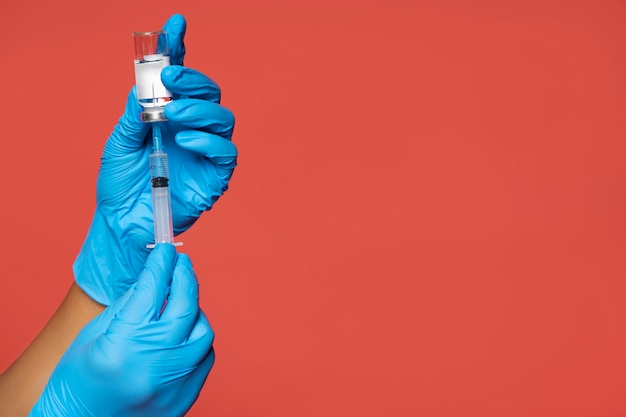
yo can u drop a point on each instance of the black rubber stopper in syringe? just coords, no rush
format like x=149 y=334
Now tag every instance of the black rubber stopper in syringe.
x=159 y=182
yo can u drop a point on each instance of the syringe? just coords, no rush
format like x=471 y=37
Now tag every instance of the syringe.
x=161 y=203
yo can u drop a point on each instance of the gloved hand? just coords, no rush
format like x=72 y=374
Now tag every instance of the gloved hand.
x=133 y=358
x=202 y=158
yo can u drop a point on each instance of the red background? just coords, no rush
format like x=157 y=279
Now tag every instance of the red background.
x=428 y=217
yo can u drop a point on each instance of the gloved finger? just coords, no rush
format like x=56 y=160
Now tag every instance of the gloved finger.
x=220 y=151
x=150 y=292
x=202 y=370
x=199 y=342
x=207 y=362
x=188 y=353
x=175 y=27
x=202 y=114
x=202 y=331
x=130 y=132
x=182 y=304
x=188 y=82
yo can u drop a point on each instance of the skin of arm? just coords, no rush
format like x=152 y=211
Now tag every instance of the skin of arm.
x=24 y=380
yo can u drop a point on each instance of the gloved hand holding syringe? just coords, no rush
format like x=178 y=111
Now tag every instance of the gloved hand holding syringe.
x=151 y=56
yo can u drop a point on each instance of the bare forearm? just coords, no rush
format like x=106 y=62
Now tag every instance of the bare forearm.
x=22 y=383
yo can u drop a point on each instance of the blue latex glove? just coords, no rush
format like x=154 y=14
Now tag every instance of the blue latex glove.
x=133 y=358
x=197 y=139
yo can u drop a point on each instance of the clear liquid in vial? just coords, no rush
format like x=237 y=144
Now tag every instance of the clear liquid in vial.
x=150 y=90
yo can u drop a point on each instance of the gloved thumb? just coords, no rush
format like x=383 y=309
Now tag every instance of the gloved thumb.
x=175 y=27
x=149 y=294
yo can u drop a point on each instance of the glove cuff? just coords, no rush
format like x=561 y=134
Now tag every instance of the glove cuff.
x=102 y=269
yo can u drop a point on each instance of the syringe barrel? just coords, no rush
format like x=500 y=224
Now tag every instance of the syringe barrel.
x=161 y=203
x=159 y=165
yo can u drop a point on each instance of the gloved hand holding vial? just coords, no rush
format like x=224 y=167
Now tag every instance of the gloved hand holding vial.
x=172 y=110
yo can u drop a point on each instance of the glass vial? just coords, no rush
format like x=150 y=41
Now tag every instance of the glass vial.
x=151 y=56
